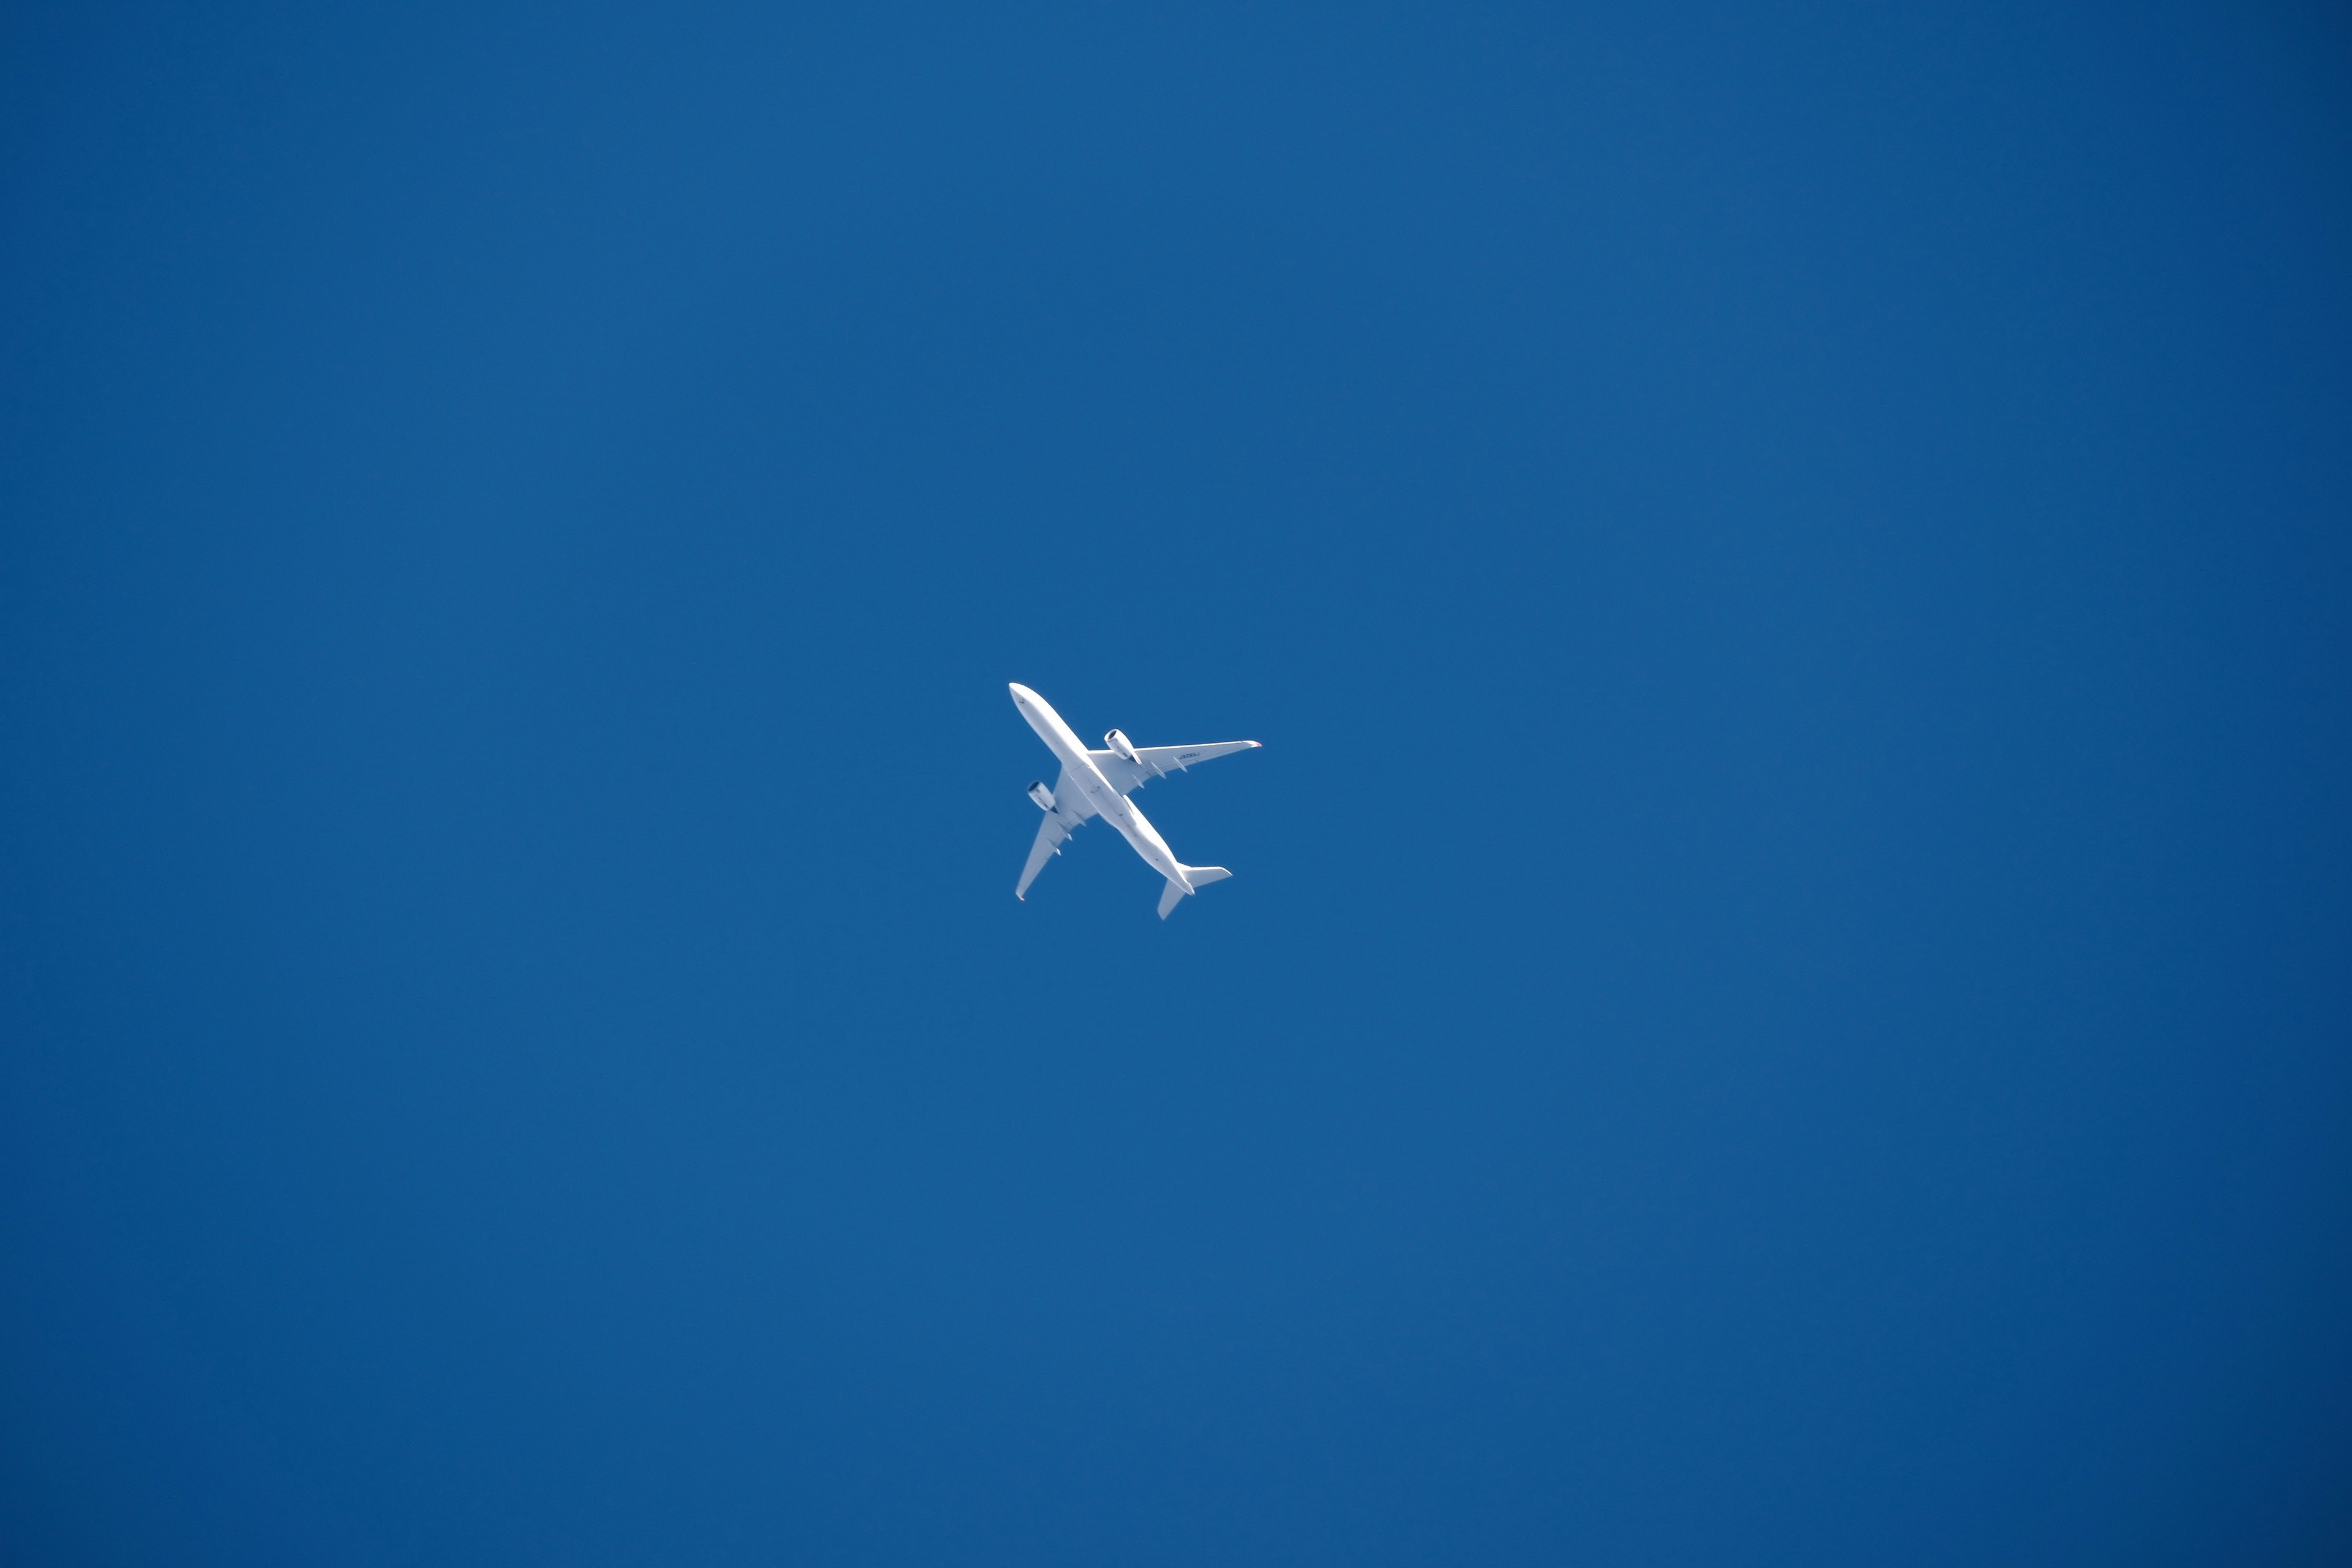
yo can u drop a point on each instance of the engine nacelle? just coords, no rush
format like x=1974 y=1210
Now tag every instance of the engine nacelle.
x=1042 y=795
x=1120 y=746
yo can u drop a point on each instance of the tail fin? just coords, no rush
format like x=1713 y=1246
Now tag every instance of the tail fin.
x=1199 y=876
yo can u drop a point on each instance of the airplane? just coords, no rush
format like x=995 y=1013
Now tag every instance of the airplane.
x=1097 y=783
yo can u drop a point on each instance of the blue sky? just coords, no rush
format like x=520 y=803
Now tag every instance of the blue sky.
x=1784 y=997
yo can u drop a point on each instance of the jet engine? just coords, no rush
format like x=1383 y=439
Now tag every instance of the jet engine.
x=1042 y=795
x=1120 y=746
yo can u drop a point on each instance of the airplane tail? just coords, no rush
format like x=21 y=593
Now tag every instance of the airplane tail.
x=1199 y=876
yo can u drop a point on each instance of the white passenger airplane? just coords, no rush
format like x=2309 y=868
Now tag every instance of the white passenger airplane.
x=1097 y=783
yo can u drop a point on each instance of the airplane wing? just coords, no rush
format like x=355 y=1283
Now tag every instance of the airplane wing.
x=1158 y=761
x=1070 y=810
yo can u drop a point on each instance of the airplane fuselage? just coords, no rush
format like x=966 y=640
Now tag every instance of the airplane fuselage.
x=1079 y=772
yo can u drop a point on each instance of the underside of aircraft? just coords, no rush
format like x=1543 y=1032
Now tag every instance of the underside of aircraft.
x=1097 y=784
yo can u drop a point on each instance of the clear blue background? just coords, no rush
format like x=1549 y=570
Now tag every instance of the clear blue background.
x=1784 y=997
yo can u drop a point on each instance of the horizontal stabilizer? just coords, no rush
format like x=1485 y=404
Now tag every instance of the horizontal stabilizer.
x=1199 y=876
